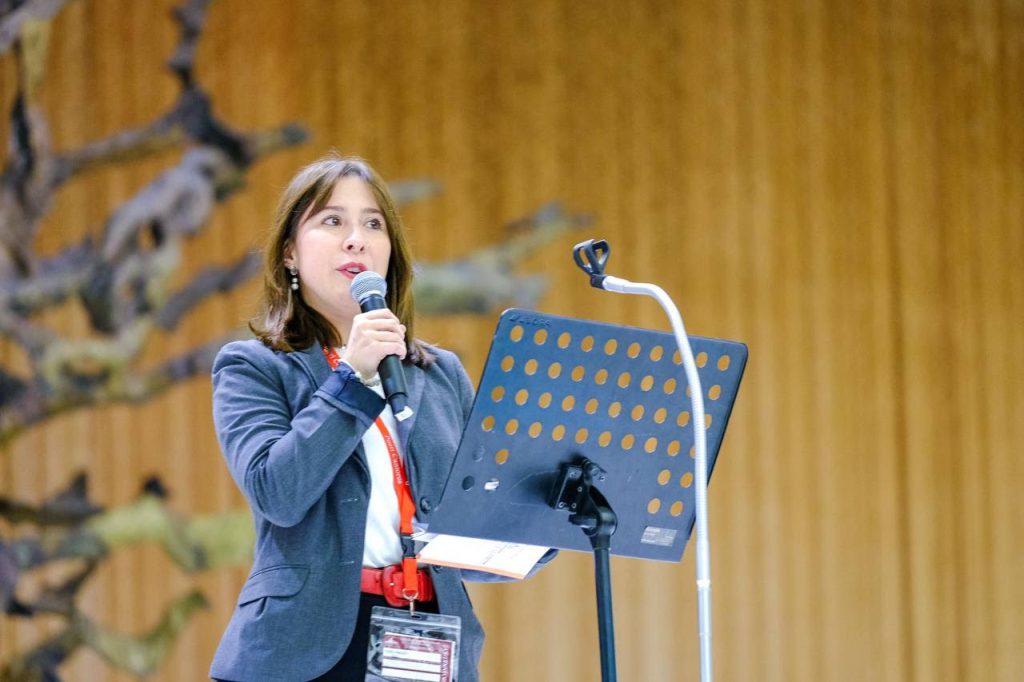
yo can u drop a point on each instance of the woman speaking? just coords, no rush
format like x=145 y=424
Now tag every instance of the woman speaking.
x=332 y=477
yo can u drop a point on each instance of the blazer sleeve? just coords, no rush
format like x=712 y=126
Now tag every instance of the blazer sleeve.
x=283 y=463
x=466 y=392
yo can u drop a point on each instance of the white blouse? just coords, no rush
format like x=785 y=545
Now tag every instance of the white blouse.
x=383 y=543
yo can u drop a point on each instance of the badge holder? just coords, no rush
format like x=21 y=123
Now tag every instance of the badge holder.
x=412 y=646
x=583 y=425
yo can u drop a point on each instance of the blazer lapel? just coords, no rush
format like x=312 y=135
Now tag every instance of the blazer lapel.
x=313 y=363
x=316 y=367
x=414 y=383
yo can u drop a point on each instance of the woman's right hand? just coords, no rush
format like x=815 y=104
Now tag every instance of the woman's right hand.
x=375 y=335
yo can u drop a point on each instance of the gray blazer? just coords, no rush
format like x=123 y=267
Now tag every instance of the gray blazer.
x=291 y=431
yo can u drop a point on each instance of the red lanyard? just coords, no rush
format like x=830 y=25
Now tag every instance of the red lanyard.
x=406 y=507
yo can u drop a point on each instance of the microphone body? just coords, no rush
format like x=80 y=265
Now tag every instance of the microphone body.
x=369 y=289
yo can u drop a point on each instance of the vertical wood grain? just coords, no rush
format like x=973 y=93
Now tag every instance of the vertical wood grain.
x=840 y=186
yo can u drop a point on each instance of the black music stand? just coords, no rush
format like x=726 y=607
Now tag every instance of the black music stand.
x=591 y=419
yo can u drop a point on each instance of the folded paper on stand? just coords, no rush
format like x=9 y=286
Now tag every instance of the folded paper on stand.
x=501 y=558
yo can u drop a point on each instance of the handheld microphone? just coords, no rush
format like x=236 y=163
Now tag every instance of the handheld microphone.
x=369 y=289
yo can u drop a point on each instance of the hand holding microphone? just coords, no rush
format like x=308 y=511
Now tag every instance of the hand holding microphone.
x=374 y=335
x=377 y=323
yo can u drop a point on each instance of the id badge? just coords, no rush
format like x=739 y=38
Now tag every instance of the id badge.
x=423 y=647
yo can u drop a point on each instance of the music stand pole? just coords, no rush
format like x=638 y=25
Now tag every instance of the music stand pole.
x=603 y=585
x=589 y=510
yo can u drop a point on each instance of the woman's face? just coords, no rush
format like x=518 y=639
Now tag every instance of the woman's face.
x=334 y=245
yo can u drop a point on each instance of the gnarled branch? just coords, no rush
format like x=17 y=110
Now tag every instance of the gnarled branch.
x=138 y=655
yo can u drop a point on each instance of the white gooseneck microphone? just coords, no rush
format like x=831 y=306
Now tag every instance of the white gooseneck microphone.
x=591 y=257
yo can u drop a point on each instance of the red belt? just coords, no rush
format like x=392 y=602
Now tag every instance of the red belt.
x=389 y=582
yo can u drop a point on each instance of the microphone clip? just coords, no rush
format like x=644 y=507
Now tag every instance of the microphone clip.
x=596 y=254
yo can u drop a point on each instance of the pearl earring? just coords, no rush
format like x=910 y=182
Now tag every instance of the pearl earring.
x=295 y=278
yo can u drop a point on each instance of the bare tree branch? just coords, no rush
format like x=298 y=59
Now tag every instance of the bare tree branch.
x=77 y=529
x=70 y=506
x=57 y=278
x=11 y=388
x=485 y=280
x=128 y=145
x=143 y=655
x=32 y=338
x=98 y=374
x=60 y=599
x=193 y=544
x=209 y=281
x=41 y=663
x=13 y=19
x=122 y=280
x=137 y=655
x=23 y=190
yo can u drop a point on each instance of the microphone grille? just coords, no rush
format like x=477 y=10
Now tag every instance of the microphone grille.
x=368 y=282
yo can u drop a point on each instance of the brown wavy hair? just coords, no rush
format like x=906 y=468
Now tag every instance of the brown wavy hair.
x=286 y=322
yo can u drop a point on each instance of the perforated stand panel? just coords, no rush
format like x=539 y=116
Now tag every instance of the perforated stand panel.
x=554 y=388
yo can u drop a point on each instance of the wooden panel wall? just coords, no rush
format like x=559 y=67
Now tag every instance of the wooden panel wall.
x=839 y=185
